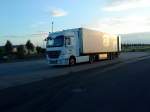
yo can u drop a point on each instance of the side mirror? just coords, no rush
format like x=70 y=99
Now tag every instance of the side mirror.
x=45 y=39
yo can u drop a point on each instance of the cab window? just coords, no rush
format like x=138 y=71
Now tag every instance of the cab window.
x=68 y=41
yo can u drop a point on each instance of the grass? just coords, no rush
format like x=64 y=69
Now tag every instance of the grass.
x=136 y=49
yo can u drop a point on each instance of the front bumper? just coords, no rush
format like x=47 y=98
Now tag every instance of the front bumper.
x=62 y=61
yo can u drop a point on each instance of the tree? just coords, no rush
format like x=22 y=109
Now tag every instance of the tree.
x=20 y=51
x=1 y=51
x=39 y=50
x=29 y=46
x=8 y=47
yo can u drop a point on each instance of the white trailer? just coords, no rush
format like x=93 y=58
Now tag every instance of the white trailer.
x=81 y=45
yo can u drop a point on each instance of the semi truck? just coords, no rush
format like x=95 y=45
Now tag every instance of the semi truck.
x=68 y=47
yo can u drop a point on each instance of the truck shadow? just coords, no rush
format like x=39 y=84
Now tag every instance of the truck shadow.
x=78 y=64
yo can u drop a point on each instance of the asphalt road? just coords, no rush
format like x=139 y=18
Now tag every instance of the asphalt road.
x=12 y=74
x=124 y=88
x=39 y=66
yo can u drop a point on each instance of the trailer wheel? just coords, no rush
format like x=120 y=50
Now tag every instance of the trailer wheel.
x=91 y=59
x=72 y=61
x=117 y=55
x=110 y=56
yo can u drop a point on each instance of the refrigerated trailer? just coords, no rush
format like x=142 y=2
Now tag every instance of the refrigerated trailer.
x=72 y=46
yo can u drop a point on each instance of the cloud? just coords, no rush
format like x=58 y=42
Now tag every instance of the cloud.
x=58 y=12
x=40 y=34
x=136 y=38
x=122 y=5
x=38 y=24
x=122 y=25
x=32 y=35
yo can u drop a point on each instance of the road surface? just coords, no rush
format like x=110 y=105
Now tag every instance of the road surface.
x=12 y=74
x=124 y=88
x=31 y=67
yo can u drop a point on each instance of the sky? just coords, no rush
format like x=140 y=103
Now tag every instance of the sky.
x=23 y=20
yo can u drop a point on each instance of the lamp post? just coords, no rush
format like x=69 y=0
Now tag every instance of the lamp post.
x=52 y=26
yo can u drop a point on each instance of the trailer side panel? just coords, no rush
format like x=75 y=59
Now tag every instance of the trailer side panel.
x=98 y=42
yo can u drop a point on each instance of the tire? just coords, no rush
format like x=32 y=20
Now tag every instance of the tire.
x=72 y=61
x=97 y=58
x=110 y=56
x=117 y=55
x=91 y=59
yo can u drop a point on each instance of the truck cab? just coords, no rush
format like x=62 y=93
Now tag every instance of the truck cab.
x=62 y=48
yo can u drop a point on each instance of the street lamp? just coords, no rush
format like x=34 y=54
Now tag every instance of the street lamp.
x=52 y=26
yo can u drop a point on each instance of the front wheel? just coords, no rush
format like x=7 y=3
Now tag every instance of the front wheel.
x=72 y=61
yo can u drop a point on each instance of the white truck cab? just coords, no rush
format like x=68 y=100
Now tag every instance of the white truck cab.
x=62 y=47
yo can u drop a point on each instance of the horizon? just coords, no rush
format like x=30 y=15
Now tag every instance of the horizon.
x=31 y=20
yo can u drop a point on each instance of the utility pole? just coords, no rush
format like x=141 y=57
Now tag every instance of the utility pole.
x=52 y=26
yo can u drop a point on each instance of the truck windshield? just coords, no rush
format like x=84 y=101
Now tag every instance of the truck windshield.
x=55 y=42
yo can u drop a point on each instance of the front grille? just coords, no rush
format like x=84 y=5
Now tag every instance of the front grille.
x=53 y=54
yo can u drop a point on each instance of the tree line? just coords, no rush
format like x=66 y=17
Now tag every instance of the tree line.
x=134 y=45
x=21 y=51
